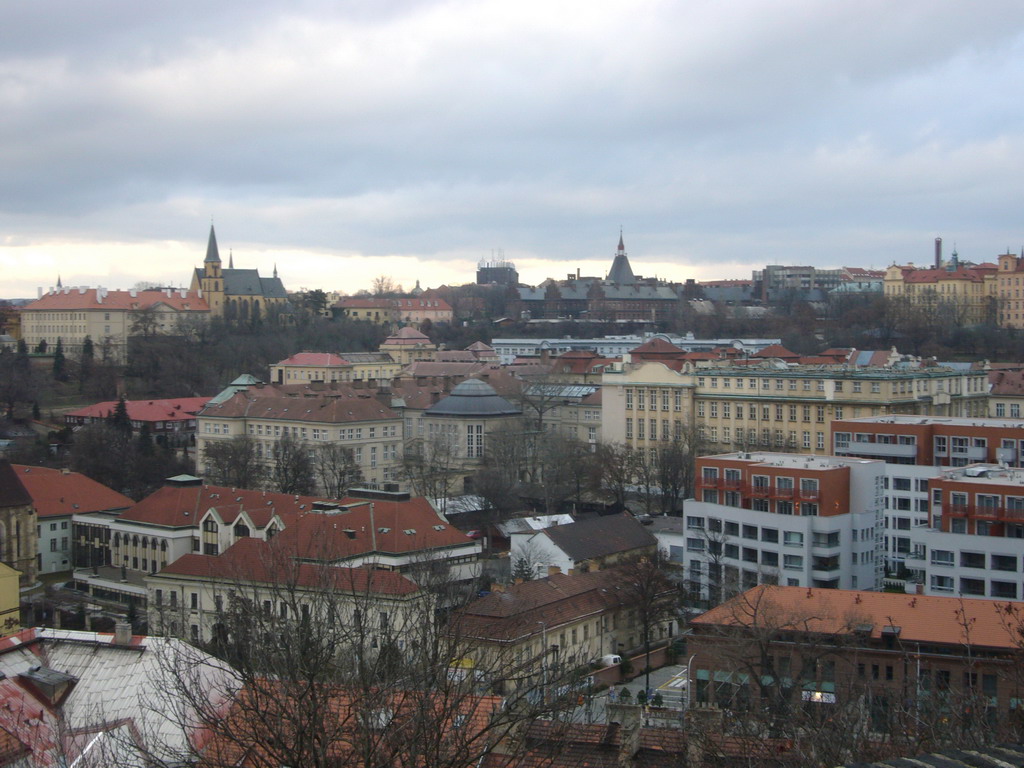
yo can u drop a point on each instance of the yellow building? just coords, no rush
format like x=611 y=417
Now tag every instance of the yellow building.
x=304 y=367
x=1009 y=287
x=237 y=294
x=18 y=536
x=408 y=345
x=965 y=294
x=107 y=318
x=773 y=404
x=10 y=605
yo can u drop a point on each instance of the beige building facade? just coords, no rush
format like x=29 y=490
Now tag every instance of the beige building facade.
x=107 y=318
x=772 y=404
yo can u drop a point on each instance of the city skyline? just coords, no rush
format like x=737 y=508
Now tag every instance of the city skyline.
x=419 y=138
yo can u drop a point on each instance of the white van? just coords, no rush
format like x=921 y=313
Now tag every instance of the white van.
x=610 y=659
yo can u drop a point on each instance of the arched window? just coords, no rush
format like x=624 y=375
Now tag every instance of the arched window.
x=145 y=543
x=135 y=541
x=163 y=545
x=117 y=539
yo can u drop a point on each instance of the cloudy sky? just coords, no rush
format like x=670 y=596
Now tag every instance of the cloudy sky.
x=343 y=140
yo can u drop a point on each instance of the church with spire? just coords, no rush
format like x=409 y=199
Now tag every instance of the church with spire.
x=237 y=294
x=622 y=296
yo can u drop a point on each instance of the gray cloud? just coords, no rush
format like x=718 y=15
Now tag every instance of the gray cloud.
x=743 y=132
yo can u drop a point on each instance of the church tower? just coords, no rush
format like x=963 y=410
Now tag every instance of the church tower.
x=213 y=276
x=621 y=273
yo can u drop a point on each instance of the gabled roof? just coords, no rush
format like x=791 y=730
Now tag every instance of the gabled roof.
x=176 y=409
x=600 y=536
x=181 y=505
x=406 y=336
x=775 y=350
x=392 y=527
x=58 y=492
x=921 y=619
x=656 y=348
x=262 y=562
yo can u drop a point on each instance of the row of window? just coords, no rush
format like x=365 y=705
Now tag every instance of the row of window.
x=763 y=412
x=643 y=397
x=1002 y=590
x=975 y=560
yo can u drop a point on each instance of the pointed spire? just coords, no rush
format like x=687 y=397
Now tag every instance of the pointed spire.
x=231 y=258
x=275 y=269
x=621 y=273
x=59 y=285
x=212 y=254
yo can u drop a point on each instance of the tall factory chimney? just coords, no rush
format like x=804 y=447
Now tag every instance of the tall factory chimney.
x=938 y=252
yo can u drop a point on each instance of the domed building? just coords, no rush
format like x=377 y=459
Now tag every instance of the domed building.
x=457 y=425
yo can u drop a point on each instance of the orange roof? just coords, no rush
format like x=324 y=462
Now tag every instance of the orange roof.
x=260 y=731
x=775 y=350
x=177 y=409
x=178 y=506
x=921 y=619
x=57 y=492
x=395 y=527
x=263 y=562
x=86 y=298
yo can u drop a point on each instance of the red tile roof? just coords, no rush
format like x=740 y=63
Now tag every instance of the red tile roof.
x=58 y=492
x=775 y=350
x=654 y=349
x=176 y=409
x=336 y=405
x=1006 y=382
x=178 y=506
x=407 y=335
x=257 y=561
x=459 y=725
x=76 y=298
x=393 y=527
x=922 y=619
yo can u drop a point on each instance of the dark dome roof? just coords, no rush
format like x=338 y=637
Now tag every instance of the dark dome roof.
x=473 y=398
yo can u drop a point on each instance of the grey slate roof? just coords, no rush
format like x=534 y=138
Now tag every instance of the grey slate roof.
x=600 y=536
x=473 y=397
x=999 y=756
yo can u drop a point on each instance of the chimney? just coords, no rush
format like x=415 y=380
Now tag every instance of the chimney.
x=938 y=252
x=495 y=587
x=554 y=570
x=122 y=633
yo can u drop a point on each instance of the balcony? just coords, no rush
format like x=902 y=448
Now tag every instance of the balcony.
x=760 y=491
x=784 y=493
x=880 y=450
x=808 y=495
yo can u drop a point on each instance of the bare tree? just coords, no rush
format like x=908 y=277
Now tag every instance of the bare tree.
x=234 y=463
x=292 y=469
x=433 y=466
x=653 y=596
x=336 y=469
x=333 y=666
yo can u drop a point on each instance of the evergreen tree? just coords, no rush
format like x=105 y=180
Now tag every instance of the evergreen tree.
x=119 y=418
x=145 y=442
x=85 y=364
x=41 y=347
x=59 y=361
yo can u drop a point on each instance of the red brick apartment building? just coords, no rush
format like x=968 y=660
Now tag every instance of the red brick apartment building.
x=819 y=651
x=930 y=441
